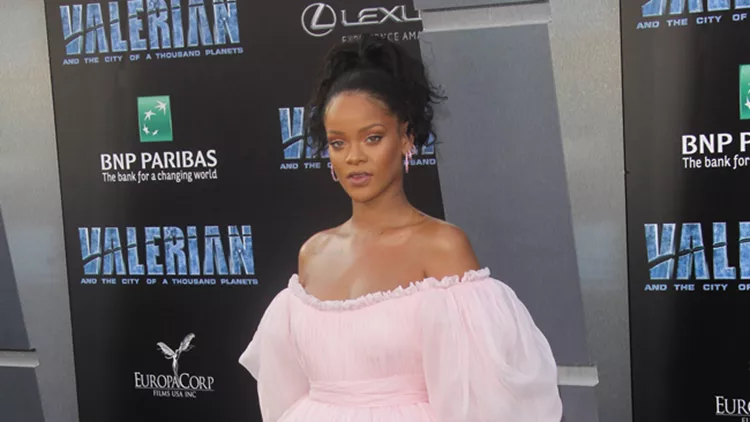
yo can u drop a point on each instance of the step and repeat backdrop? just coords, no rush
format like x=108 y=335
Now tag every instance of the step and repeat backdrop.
x=686 y=76
x=187 y=189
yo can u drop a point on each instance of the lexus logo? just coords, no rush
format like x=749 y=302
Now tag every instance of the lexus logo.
x=320 y=19
x=312 y=17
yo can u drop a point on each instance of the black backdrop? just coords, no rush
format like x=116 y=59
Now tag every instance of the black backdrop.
x=681 y=76
x=228 y=102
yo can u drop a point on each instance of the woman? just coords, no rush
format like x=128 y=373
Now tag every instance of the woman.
x=351 y=339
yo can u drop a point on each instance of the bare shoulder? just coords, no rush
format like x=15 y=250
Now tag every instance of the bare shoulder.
x=442 y=236
x=311 y=248
x=447 y=250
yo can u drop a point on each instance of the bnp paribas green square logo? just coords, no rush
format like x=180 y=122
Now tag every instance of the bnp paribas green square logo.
x=155 y=119
x=745 y=92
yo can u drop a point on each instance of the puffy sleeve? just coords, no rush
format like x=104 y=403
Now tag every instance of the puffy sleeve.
x=484 y=358
x=272 y=359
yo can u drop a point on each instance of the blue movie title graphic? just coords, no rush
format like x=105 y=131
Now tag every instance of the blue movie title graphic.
x=691 y=255
x=683 y=13
x=677 y=7
x=179 y=249
x=297 y=149
x=150 y=24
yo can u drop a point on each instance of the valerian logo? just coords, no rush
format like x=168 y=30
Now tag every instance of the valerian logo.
x=299 y=151
x=683 y=13
x=178 y=385
x=677 y=7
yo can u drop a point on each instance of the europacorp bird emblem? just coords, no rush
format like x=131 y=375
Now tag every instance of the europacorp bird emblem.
x=175 y=354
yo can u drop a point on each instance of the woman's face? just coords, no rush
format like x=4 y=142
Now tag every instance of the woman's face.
x=366 y=143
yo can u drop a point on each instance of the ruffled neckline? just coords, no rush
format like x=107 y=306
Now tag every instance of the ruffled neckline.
x=369 y=299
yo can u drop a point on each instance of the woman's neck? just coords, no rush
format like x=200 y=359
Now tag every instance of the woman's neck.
x=390 y=210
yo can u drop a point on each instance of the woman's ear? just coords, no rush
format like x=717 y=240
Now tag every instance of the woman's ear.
x=407 y=139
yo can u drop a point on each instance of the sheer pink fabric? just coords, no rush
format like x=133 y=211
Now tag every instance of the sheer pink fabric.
x=459 y=349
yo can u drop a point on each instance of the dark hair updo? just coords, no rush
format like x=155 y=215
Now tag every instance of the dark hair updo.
x=384 y=70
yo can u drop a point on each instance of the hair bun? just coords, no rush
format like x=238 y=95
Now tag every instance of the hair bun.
x=375 y=52
x=366 y=53
x=385 y=70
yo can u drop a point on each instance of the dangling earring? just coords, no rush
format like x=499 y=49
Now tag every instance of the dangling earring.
x=333 y=174
x=407 y=159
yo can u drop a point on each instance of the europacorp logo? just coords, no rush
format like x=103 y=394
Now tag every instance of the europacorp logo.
x=175 y=384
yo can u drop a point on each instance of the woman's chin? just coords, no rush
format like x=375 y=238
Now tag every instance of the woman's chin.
x=362 y=194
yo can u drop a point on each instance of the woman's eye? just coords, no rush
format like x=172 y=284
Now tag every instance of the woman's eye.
x=374 y=138
x=336 y=144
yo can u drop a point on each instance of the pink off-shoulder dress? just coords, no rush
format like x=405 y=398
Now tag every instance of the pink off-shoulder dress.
x=458 y=349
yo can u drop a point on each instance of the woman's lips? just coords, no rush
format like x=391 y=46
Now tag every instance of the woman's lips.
x=359 y=179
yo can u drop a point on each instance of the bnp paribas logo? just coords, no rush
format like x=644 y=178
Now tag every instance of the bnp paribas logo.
x=745 y=92
x=155 y=119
